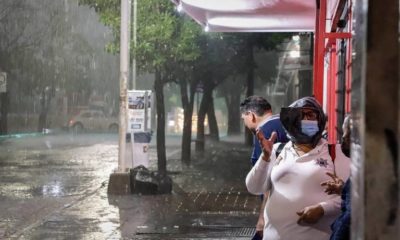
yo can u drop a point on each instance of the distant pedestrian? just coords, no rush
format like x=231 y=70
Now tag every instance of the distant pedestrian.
x=297 y=207
x=257 y=116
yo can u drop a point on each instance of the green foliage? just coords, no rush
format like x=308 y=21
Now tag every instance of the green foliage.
x=163 y=37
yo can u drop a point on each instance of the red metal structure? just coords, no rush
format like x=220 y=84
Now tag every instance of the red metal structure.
x=330 y=39
x=330 y=20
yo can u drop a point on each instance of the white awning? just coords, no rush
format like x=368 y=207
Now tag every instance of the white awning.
x=251 y=15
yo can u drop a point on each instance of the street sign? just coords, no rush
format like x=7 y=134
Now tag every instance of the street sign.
x=3 y=82
x=138 y=110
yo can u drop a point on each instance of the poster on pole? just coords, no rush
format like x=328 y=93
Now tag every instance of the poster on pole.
x=139 y=109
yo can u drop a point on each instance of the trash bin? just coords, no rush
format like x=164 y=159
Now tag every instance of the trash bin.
x=139 y=149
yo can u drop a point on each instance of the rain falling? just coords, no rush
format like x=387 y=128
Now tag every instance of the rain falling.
x=60 y=120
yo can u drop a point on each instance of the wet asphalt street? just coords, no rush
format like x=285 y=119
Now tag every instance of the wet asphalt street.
x=55 y=187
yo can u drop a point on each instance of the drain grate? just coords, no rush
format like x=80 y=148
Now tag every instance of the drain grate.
x=246 y=232
x=199 y=232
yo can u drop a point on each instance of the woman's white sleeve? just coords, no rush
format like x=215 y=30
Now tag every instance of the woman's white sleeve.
x=257 y=178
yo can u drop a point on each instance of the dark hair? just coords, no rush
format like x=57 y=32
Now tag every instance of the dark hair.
x=255 y=104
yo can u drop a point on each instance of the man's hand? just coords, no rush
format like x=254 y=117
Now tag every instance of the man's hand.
x=260 y=222
x=310 y=215
x=266 y=144
x=334 y=186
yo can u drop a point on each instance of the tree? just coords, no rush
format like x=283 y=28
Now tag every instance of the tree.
x=232 y=89
x=43 y=54
x=188 y=82
x=13 y=41
x=243 y=73
x=164 y=40
x=216 y=65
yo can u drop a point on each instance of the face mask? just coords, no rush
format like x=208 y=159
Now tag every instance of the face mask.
x=309 y=127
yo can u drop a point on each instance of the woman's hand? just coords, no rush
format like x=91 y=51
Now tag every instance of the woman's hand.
x=266 y=144
x=334 y=186
x=310 y=215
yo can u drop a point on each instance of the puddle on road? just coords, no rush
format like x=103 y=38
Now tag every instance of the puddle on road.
x=55 y=173
x=15 y=190
x=53 y=189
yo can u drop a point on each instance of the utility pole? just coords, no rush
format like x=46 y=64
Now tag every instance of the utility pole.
x=134 y=31
x=123 y=80
x=119 y=180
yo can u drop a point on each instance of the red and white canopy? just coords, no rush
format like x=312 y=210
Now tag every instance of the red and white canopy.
x=251 y=15
x=255 y=15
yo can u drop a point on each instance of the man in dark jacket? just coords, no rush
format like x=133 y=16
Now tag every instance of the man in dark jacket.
x=257 y=115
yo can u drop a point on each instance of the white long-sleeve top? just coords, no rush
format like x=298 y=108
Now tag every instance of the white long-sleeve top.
x=294 y=183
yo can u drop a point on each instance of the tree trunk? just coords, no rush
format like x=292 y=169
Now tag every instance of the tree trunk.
x=44 y=108
x=4 y=112
x=201 y=115
x=250 y=70
x=212 y=121
x=232 y=104
x=248 y=136
x=161 y=154
x=187 y=105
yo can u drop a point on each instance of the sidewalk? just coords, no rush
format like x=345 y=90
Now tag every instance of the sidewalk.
x=209 y=201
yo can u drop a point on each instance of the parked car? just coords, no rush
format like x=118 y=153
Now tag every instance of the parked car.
x=92 y=120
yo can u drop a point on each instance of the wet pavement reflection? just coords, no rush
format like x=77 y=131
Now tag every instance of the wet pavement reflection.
x=60 y=192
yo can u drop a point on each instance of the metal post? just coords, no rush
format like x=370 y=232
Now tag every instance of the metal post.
x=349 y=60
x=129 y=39
x=319 y=52
x=134 y=31
x=123 y=79
x=332 y=98
x=146 y=115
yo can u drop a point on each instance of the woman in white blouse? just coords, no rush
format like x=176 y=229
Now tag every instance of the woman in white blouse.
x=298 y=208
